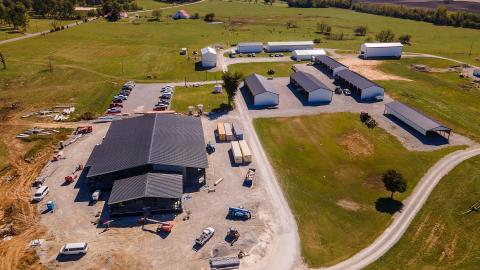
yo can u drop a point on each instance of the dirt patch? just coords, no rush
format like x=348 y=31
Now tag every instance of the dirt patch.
x=357 y=145
x=349 y=205
x=119 y=261
x=369 y=68
x=373 y=181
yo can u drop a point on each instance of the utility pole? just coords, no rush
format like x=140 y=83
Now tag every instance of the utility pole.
x=185 y=80
x=471 y=47
x=50 y=67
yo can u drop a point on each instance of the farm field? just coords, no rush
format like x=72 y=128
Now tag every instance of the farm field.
x=282 y=69
x=443 y=95
x=99 y=53
x=440 y=237
x=330 y=169
x=152 y=4
x=191 y=96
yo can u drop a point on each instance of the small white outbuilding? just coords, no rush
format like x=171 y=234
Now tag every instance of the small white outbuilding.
x=301 y=55
x=381 y=50
x=209 y=57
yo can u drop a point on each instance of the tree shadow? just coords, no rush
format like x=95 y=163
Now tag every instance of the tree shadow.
x=388 y=205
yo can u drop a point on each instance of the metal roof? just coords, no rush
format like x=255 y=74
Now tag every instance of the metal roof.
x=308 y=82
x=165 y=139
x=208 y=50
x=250 y=44
x=149 y=185
x=328 y=61
x=290 y=43
x=421 y=120
x=356 y=79
x=309 y=52
x=383 y=45
x=258 y=84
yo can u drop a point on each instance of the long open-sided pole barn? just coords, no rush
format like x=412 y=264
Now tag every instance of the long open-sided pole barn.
x=146 y=161
x=381 y=50
x=311 y=87
x=302 y=55
x=262 y=92
x=331 y=65
x=359 y=85
x=417 y=120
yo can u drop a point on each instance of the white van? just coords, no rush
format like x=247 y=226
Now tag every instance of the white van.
x=40 y=193
x=74 y=248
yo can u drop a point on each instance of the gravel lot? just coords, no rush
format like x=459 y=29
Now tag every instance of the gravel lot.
x=140 y=246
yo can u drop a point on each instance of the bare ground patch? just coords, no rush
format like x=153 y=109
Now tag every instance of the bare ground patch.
x=369 y=68
x=348 y=205
x=356 y=145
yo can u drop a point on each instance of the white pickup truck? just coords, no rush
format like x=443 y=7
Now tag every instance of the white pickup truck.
x=205 y=236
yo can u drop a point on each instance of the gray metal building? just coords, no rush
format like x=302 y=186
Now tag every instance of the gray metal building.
x=154 y=154
x=329 y=64
x=313 y=89
x=417 y=120
x=359 y=85
x=262 y=92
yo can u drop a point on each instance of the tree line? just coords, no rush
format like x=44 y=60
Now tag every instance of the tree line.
x=438 y=16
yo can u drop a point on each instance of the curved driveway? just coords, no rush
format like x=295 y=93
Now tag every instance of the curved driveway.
x=412 y=206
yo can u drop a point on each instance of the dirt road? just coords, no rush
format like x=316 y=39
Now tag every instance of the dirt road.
x=411 y=207
x=284 y=250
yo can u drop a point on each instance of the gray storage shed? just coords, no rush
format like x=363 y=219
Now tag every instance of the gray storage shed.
x=415 y=119
x=262 y=92
x=359 y=85
x=313 y=89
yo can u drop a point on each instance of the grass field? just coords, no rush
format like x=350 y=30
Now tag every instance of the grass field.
x=191 y=96
x=88 y=58
x=282 y=69
x=152 y=4
x=440 y=237
x=330 y=168
x=452 y=100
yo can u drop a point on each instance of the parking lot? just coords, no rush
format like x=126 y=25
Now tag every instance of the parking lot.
x=75 y=217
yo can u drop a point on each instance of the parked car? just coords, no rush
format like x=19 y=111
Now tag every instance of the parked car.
x=232 y=55
x=113 y=111
x=122 y=97
x=74 y=248
x=96 y=195
x=125 y=93
x=338 y=90
x=196 y=85
x=161 y=107
x=271 y=55
x=116 y=105
x=40 y=193
x=128 y=87
x=163 y=102
x=254 y=55
x=117 y=100
x=132 y=83
x=347 y=92
x=166 y=96
x=206 y=234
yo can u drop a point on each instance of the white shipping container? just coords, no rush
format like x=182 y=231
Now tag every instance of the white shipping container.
x=236 y=152
x=228 y=132
x=246 y=154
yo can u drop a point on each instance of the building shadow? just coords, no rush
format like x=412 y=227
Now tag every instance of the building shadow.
x=84 y=193
x=232 y=159
x=325 y=71
x=199 y=67
x=388 y=205
x=433 y=139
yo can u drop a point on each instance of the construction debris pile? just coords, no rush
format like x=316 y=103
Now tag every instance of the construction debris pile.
x=57 y=113
x=36 y=131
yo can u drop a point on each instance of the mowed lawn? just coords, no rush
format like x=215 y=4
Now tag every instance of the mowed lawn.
x=94 y=56
x=330 y=169
x=282 y=69
x=440 y=236
x=444 y=96
x=152 y=4
x=192 y=96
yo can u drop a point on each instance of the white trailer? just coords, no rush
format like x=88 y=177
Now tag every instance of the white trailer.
x=250 y=47
x=246 y=153
x=381 y=50
x=236 y=153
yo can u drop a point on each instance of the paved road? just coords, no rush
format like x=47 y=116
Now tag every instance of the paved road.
x=412 y=206
x=284 y=250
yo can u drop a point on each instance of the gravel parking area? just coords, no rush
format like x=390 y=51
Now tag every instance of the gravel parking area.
x=141 y=246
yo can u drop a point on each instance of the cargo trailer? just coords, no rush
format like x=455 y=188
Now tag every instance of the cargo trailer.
x=228 y=132
x=237 y=152
x=246 y=154
x=237 y=131
x=221 y=132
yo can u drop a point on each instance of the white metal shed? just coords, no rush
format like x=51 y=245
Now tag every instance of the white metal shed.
x=381 y=50
x=301 y=55
x=209 y=57
x=289 y=46
x=250 y=47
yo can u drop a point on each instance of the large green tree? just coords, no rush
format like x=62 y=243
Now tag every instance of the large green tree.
x=394 y=182
x=231 y=81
